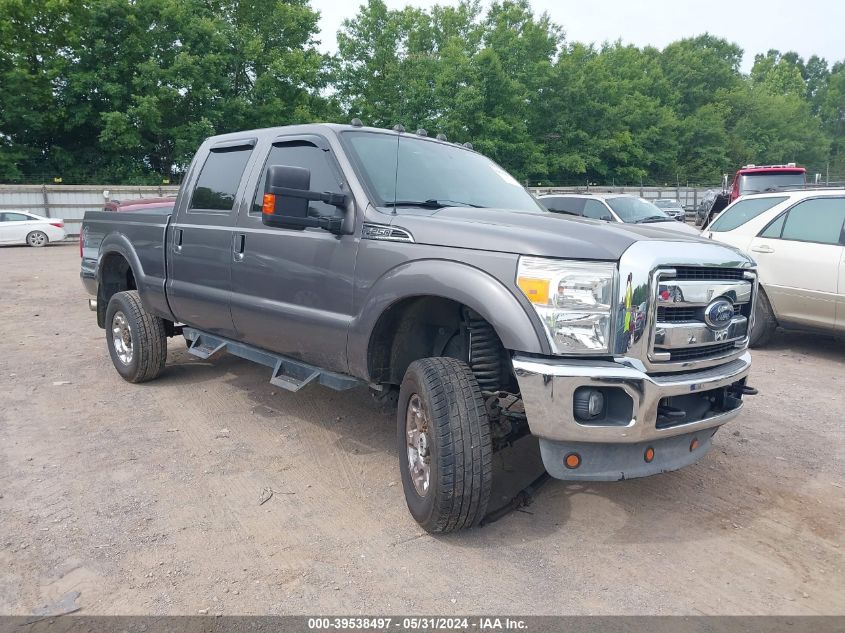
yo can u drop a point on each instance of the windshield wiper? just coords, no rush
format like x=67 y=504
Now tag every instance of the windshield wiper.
x=652 y=218
x=432 y=203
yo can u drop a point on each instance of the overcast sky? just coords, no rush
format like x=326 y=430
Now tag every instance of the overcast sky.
x=807 y=26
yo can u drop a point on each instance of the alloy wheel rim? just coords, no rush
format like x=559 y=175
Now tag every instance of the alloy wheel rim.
x=122 y=337
x=37 y=239
x=418 y=444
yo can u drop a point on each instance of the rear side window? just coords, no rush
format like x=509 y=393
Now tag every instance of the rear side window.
x=819 y=220
x=219 y=179
x=302 y=154
x=562 y=204
x=742 y=211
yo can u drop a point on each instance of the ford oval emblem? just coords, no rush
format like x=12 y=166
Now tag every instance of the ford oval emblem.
x=718 y=314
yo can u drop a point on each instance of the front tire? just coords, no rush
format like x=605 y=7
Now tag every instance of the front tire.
x=136 y=339
x=765 y=323
x=445 y=449
x=37 y=239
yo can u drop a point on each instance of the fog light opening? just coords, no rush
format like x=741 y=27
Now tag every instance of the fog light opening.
x=588 y=403
x=693 y=444
x=572 y=461
x=648 y=456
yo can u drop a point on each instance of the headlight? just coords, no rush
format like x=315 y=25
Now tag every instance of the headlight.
x=573 y=299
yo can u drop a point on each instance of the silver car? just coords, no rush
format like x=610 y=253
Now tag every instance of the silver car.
x=671 y=207
x=613 y=207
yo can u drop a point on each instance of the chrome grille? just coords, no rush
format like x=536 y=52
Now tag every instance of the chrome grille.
x=708 y=272
x=704 y=351
x=683 y=332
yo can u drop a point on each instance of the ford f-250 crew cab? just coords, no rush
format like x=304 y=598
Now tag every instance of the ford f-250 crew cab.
x=345 y=255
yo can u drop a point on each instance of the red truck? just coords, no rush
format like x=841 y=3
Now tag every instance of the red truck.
x=756 y=179
x=760 y=178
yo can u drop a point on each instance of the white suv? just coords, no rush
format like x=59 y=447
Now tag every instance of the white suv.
x=798 y=240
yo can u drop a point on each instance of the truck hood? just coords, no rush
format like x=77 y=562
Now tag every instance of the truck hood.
x=542 y=233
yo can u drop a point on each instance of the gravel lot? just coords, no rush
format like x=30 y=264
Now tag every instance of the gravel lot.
x=124 y=499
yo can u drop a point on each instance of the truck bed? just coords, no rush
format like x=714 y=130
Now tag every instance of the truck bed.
x=141 y=239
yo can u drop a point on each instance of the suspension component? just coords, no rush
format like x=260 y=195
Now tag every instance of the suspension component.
x=485 y=351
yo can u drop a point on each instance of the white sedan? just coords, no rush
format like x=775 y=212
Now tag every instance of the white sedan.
x=20 y=227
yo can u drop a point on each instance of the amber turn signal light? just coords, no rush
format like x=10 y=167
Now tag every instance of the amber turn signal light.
x=572 y=461
x=269 y=203
x=693 y=444
x=649 y=455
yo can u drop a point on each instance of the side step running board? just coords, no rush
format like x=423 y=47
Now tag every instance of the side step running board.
x=288 y=373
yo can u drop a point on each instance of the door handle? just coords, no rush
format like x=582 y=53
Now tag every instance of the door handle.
x=763 y=248
x=238 y=246
x=177 y=241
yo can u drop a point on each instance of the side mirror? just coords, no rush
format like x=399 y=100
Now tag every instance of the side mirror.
x=286 y=196
x=607 y=218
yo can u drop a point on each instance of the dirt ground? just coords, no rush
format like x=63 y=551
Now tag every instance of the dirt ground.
x=144 y=499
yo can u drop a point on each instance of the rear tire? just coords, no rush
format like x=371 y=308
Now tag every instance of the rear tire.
x=447 y=466
x=37 y=239
x=136 y=339
x=765 y=322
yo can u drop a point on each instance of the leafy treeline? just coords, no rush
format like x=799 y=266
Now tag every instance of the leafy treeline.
x=125 y=90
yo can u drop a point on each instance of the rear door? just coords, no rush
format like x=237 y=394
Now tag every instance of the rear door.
x=200 y=240
x=14 y=227
x=293 y=288
x=799 y=256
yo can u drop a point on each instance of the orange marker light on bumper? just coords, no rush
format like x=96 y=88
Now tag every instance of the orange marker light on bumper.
x=649 y=455
x=572 y=461
x=694 y=444
x=269 y=203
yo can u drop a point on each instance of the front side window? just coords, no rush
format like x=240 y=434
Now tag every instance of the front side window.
x=596 y=210
x=742 y=211
x=819 y=220
x=430 y=173
x=219 y=179
x=311 y=157
x=15 y=217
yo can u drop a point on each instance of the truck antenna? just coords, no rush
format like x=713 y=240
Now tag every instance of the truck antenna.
x=399 y=128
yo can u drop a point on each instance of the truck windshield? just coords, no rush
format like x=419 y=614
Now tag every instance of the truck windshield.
x=636 y=210
x=758 y=183
x=433 y=174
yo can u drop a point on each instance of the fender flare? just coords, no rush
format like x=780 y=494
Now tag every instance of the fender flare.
x=118 y=243
x=516 y=324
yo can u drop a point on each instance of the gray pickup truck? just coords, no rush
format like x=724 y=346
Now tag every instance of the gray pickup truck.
x=345 y=255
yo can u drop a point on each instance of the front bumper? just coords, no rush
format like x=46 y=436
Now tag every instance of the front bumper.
x=616 y=450
x=548 y=385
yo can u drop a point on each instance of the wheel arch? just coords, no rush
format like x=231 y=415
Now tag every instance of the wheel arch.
x=437 y=282
x=118 y=269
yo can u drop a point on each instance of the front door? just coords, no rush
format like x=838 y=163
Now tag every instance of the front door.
x=799 y=256
x=293 y=288
x=14 y=227
x=200 y=240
